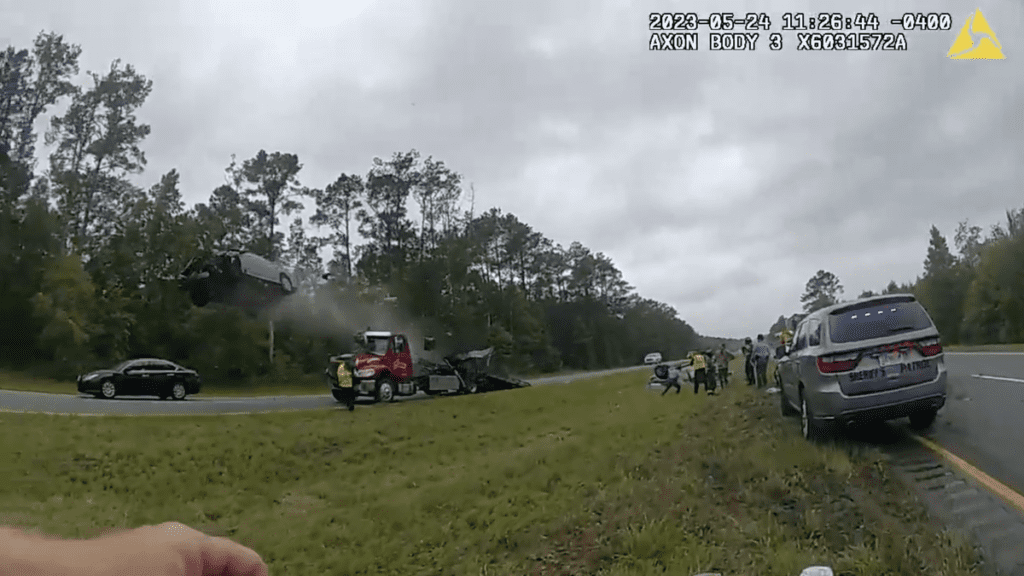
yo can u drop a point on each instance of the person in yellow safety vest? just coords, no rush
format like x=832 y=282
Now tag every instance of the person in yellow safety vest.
x=786 y=336
x=700 y=371
x=345 y=383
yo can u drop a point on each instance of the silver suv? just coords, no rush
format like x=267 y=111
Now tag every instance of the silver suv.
x=873 y=359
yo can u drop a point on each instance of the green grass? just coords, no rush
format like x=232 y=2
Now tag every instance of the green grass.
x=597 y=477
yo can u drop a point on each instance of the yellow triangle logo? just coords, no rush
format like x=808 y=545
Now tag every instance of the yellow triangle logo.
x=976 y=41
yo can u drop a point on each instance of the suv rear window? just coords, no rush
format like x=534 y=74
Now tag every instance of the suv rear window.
x=876 y=320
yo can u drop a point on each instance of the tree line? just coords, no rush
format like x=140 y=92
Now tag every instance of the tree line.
x=975 y=296
x=88 y=259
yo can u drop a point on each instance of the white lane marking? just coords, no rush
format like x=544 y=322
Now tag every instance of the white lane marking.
x=998 y=378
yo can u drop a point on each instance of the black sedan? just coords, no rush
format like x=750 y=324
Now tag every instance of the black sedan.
x=141 y=377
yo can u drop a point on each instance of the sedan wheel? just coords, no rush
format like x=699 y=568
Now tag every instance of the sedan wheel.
x=178 y=391
x=108 y=389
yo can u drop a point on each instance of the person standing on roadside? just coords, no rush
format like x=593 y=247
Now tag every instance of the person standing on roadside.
x=760 y=355
x=712 y=385
x=345 y=384
x=748 y=350
x=722 y=359
x=700 y=371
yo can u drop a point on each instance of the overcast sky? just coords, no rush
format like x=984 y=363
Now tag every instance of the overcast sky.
x=718 y=182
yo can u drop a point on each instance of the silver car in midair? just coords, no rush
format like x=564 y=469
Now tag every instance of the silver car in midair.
x=873 y=359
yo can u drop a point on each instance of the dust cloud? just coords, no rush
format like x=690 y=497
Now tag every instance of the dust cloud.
x=329 y=312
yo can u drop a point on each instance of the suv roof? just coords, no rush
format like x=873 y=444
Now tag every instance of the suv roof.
x=846 y=325
x=841 y=306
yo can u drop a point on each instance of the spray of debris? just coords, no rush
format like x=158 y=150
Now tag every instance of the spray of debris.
x=331 y=312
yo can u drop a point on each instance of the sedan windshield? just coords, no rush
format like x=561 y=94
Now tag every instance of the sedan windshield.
x=120 y=367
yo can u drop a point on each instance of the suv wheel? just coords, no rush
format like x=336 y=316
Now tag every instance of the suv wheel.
x=923 y=419
x=787 y=408
x=811 y=428
x=108 y=389
x=386 y=391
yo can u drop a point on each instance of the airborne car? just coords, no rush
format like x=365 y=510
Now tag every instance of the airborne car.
x=236 y=279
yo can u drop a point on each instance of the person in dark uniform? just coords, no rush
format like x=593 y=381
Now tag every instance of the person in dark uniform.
x=712 y=386
x=748 y=352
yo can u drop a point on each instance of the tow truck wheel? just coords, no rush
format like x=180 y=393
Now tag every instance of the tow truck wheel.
x=385 y=391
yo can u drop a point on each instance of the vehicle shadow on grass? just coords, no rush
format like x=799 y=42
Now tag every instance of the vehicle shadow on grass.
x=888 y=436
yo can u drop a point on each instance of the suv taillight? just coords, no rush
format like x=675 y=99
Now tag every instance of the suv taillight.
x=837 y=363
x=931 y=347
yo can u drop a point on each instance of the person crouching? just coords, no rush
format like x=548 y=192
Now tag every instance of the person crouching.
x=672 y=381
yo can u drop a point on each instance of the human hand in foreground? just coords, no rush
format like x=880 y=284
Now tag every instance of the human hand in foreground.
x=168 y=549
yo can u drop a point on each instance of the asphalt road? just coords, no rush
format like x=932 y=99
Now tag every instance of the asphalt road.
x=983 y=420
x=85 y=405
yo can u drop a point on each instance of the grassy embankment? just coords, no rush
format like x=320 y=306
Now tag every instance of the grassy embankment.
x=596 y=477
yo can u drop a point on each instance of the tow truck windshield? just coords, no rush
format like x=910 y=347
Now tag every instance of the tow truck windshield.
x=377 y=346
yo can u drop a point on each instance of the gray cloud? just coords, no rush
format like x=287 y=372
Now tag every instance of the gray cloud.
x=718 y=182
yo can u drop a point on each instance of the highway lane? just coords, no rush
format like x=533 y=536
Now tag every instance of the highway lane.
x=983 y=421
x=15 y=401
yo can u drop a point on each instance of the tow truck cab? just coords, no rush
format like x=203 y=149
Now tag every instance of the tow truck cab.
x=384 y=360
x=384 y=354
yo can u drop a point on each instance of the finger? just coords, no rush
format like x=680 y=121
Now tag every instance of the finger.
x=224 y=557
